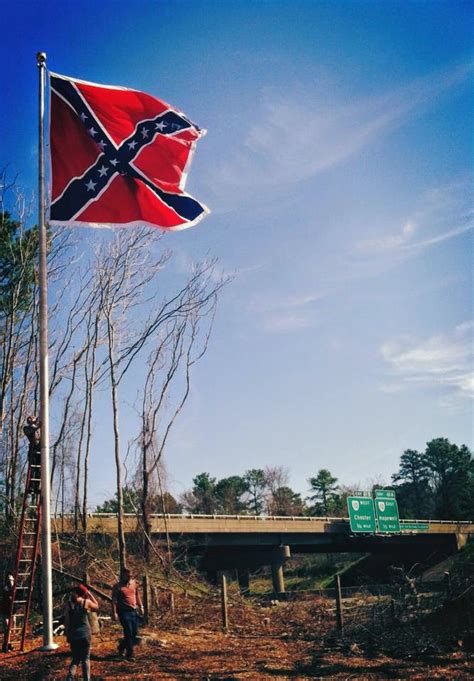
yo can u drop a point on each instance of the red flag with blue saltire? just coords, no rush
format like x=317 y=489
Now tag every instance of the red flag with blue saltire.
x=119 y=157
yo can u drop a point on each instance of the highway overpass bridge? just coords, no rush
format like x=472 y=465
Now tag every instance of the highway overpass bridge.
x=247 y=542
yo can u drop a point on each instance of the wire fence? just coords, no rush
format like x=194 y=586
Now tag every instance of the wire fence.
x=378 y=611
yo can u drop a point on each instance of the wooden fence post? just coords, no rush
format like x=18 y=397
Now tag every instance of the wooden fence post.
x=225 y=618
x=447 y=584
x=339 y=613
x=146 y=599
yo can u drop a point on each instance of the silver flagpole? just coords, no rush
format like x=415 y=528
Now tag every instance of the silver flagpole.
x=47 y=582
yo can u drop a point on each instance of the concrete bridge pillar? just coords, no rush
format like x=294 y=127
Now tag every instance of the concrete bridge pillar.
x=279 y=556
x=461 y=540
x=278 y=579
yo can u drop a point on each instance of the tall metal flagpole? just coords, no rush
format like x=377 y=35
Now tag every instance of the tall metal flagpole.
x=47 y=582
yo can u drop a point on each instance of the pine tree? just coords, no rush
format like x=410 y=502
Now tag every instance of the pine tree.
x=325 y=496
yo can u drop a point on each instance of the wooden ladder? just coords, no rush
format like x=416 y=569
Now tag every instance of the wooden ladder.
x=26 y=556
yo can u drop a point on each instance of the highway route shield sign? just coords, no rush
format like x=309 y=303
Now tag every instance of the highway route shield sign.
x=386 y=509
x=361 y=514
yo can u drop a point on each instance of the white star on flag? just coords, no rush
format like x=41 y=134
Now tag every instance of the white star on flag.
x=161 y=126
x=90 y=186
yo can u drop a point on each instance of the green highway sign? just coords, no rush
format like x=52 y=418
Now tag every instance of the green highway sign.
x=385 y=493
x=361 y=514
x=411 y=527
x=386 y=509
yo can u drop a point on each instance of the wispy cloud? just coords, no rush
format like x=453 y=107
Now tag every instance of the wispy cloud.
x=445 y=360
x=390 y=241
x=288 y=321
x=289 y=313
x=183 y=263
x=295 y=138
x=442 y=214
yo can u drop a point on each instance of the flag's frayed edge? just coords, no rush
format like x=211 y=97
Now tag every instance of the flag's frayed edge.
x=124 y=225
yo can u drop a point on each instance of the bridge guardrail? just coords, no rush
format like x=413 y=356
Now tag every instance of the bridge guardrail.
x=261 y=518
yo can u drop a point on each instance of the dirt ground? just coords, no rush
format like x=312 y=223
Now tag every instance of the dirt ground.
x=284 y=642
x=198 y=655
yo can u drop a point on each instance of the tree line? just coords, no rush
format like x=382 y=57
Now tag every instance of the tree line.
x=437 y=483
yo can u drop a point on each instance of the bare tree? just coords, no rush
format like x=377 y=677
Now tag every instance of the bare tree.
x=18 y=247
x=90 y=382
x=124 y=269
x=106 y=316
x=18 y=324
x=276 y=477
x=182 y=342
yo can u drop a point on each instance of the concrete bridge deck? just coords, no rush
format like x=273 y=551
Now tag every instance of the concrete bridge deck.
x=247 y=542
x=237 y=525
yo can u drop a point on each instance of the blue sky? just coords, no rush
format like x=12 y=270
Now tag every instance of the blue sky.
x=338 y=168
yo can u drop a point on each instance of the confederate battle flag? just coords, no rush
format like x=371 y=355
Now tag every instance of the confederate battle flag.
x=119 y=158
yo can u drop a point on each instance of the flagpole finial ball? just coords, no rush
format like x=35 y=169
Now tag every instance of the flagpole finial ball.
x=41 y=57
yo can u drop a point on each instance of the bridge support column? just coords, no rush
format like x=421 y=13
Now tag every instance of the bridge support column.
x=461 y=540
x=278 y=579
x=243 y=576
x=279 y=556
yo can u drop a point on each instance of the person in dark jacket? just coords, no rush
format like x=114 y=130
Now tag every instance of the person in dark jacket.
x=78 y=631
x=7 y=598
x=32 y=431
x=125 y=603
